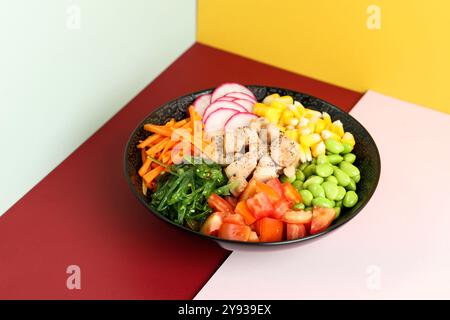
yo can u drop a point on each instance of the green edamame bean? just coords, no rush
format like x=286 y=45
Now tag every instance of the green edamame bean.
x=338 y=212
x=287 y=179
x=338 y=203
x=309 y=170
x=332 y=179
x=347 y=148
x=351 y=185
x=334 y=146
x=323 y=202
x=341 y=176
x=298 y=206
x=298 y=185
x=303 y=165
x=299 y=175
x=307 y=196
x=350 y=199
x=312 y=179
x=316 y=190
x=349 y=169
x=322 y=159
x=334 y=158
x=324 y=170
x=356 y=178
x=331 y=190
x=308 y=209
x=350 y=157
x=341 y=193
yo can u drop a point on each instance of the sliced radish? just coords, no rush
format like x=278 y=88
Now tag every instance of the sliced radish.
x=225 y=88
x=224 y=98
x=216 y=121
x=219 y=105
x=239 y=120
x=247 y=104
x=201 y=103
x=240 y=95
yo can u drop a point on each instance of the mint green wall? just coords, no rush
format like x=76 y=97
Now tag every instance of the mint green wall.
x=62 y=77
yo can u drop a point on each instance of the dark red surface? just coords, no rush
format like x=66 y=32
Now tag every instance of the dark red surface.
x=83 y=213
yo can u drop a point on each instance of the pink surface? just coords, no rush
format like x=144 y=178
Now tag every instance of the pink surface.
x=397 y=247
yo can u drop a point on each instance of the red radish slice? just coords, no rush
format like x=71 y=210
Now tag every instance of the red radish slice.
x=239 y=120
x=240 y=95
x=216 y=121
x=201 y=103
x=247 y=104
x=226 y=99
x=225 y=88
x=219 y=105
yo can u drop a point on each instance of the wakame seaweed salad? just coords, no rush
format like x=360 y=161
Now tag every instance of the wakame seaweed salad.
x=182 y=193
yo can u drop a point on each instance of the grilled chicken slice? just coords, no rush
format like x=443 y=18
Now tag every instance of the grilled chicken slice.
x=266 y=169
x=243 y=166
x=285 y=152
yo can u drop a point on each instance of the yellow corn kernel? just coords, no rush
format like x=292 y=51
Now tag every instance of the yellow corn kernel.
x=327 y=118
x=294 y=122
x=278 y=105
x=348 y=138
x=268 y=100
x=291 y=134
x=309 y=113
x=287 y=116
x=318 y=149
x=304 y=131
x=320 y=126
x=312 y=126
x=308 y=154
x=287 y=100
x=309 y=139
x=302 y=154
x=259 y=109
x=300 y=108
x=327 y=134
x=338 y=128
x=273 y=115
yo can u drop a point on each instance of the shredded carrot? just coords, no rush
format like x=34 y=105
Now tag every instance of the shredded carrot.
x=148 y=141
x=162 y=130
x=143 y=155
x=157 y=147
x=152 y=174
x=180 y=123
x=143 y=170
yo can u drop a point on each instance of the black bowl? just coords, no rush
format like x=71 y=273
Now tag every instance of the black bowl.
x=368 y=158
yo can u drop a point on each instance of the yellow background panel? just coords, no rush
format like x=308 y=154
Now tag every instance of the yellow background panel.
x=408 y=57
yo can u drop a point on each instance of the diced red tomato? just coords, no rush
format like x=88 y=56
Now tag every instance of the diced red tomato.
x=276 y=185
x=231 y=231
x=307 y=227
x=291 y=193
x=321 y=219
x=234 y=218
x=295 y=231
x=212 y=224
x=231 y=200
x=297 y=217
x=261 y=187
x=249 y=190
x=219 y=204
x=260 y=205
x=244 y=211
x=269 y=229
x=281 y=207
x=253 y=237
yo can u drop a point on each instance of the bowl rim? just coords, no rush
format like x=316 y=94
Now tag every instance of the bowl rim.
x=331 y=228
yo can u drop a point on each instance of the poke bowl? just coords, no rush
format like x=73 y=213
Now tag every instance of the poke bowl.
x=252 y=166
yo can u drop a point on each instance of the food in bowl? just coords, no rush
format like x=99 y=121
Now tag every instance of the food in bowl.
x=250 y=171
